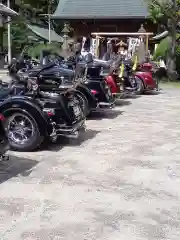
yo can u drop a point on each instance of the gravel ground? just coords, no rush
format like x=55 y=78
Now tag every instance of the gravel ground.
x=119 y=181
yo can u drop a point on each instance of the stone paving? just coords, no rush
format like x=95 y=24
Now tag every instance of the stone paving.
x=119 y=181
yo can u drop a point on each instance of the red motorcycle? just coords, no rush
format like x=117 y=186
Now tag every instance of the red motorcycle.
x=143 y=78
x=146 y=72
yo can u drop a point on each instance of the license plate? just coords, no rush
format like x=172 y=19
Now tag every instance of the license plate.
x=76 y=110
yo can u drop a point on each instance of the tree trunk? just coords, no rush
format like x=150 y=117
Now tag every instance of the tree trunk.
x=171 y=66
x=171 y=63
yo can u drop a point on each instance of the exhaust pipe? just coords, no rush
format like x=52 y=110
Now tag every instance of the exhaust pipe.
x=73 y=135
x=104 y=104
x=68 y=133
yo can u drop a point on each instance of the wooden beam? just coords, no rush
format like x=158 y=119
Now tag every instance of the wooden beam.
x=121 y=34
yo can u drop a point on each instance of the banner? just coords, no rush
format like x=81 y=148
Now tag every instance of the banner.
x=133 y=42
x=83 y=42
x=93 y=46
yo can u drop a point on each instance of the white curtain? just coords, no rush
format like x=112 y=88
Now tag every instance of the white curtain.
x=93 y=46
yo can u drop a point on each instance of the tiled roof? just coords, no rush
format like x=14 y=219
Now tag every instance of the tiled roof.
x=44 y=33
x=101 y=9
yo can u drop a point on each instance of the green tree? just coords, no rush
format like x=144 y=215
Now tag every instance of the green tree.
x=166 y=12
x=32 y=8
x=29 y=12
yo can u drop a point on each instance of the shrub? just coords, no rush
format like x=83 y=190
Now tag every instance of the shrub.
x=162 y=49
x=36 y=50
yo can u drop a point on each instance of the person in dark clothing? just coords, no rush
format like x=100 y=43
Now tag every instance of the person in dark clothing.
x=78 y=46
x=111 y=50
x=87 y=44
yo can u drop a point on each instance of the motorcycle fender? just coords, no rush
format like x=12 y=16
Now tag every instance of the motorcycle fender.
x=28 y=106
x=110 y=80
x=90 y=97
x=147 y=79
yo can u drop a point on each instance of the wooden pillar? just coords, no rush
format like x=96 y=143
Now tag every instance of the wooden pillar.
x=1 y=42
x=97 y=50
x=147 y=43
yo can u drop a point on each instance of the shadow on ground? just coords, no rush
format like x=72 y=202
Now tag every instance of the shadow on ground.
x=105 y=114
x=153 y=93
x=63 y=142
x=122 y=102
x=15 y=166
x=130 y=96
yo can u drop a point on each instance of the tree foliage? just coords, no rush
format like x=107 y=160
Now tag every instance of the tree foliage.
x=166 y=12
x=35 y=51
x=30 y=11
x=31 y=8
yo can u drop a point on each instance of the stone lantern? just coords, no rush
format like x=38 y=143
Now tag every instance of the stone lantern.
x=65 y=32
x=141 y=31
x=142 y=49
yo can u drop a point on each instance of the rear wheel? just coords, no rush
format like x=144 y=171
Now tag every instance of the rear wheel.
x=83 y=103
x=139 y=86
x=23 y=132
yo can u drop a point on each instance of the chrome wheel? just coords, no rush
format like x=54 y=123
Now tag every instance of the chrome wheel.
x=133 y=82
x=83 y=103
x=20 y=128
x=139 y=86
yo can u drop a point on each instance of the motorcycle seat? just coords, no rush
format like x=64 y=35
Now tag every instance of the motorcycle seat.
x=35 y=71
x=64 y=71
x=57 y=72
x=102 y=63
